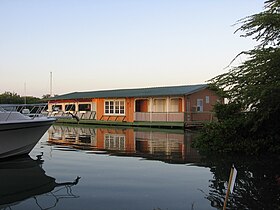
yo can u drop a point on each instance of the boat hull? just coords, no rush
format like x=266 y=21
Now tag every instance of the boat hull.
x=18 y=138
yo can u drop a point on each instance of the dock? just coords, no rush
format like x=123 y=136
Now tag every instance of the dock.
x=167 y=125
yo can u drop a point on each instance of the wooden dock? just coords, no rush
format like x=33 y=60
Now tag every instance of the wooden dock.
x=171 y=125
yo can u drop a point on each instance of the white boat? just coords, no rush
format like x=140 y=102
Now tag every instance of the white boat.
x=20 y=129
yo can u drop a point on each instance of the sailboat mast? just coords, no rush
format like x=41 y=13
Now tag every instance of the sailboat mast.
x=24 y=92
x=51 y=84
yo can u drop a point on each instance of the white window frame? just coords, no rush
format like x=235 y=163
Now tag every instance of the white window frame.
x=114 y=107
x=207 y=99
x=114 y=141
x=199 y=105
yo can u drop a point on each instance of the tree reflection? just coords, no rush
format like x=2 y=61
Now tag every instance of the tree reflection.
x=257 y=185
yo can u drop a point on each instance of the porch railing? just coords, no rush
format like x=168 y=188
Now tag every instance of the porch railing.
x=173 y=116
x=159 y=116
x=199 y=116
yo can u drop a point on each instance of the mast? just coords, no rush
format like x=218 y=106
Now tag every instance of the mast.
x=24 y=92
x=50 y=84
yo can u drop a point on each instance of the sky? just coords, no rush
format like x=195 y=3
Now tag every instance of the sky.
x=114 y=44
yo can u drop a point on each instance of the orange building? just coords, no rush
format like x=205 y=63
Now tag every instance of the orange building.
x=188 y=104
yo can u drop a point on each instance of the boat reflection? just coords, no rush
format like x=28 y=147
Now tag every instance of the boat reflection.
x=24 y=178
x=172 y=146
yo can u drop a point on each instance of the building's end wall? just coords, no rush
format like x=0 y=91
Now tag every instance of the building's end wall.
x=203 y=94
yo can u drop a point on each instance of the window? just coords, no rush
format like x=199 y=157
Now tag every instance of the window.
x=114 y=142
x=57 y=107
x=84 y=107
x=115 y=107
x=70 y=107
x=86 y=139
x=199 y=105
x=207 y=99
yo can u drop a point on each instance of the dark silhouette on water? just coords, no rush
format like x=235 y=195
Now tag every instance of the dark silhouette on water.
x=23 y=178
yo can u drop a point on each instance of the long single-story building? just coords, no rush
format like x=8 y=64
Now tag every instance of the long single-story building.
x=187 y=104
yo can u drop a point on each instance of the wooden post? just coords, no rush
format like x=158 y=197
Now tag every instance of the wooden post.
x=230 y=183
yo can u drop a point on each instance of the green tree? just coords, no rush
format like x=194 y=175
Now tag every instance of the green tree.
x=33 y=100
x=14 y=98
x=250 y=120
x=10 y=98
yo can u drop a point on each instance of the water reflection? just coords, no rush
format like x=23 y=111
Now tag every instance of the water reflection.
x=24 y=179
x=171 y=146
x=257 y=185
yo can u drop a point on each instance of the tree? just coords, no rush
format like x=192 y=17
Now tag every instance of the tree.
x=46 y=96
x=253 y=87
x=14 y=98
x=33 y=100
x=10 y=98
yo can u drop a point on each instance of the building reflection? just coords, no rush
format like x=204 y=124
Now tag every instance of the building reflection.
x=171 y=147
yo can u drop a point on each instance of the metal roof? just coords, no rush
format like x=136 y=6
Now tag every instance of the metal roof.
x=138 y=92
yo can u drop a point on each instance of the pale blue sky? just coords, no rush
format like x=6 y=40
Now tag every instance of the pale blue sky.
x=108 y=44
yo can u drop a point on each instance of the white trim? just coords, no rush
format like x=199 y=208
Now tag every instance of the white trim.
x=114 y=107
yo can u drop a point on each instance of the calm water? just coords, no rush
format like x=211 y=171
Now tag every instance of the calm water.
x=117 y=168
